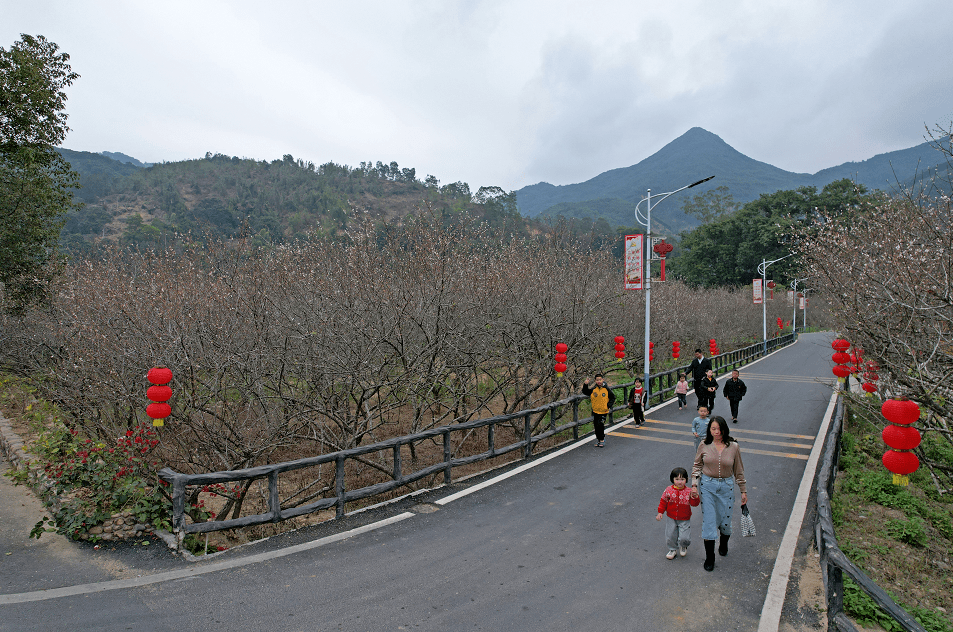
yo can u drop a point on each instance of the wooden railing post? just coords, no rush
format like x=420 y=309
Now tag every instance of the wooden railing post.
x=274 y=501
x=575 y=421
x=528 y=435
x=339 y=485
x=446 y=458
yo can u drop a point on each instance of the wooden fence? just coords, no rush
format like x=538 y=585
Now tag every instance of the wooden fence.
x=661 y=387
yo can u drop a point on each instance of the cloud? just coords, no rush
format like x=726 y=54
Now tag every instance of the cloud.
x=498 y=92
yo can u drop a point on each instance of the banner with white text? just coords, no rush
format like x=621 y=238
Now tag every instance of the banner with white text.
x=758 y=291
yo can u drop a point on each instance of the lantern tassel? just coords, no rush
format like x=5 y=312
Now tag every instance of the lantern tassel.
x=901 y=480
x=158 y=422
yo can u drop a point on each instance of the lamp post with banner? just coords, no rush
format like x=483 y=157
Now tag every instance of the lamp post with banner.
x=763 y=270
x=646 y=252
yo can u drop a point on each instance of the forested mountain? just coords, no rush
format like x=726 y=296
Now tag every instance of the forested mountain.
x=225 y=196
x=698 y=154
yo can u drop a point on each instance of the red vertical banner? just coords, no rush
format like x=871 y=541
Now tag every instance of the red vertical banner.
x=634 y=261
x=757 y=291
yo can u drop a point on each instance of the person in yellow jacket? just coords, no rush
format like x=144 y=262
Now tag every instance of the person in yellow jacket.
x=602 y=399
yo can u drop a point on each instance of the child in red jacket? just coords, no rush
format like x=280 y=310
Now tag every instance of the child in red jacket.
x=677 y=503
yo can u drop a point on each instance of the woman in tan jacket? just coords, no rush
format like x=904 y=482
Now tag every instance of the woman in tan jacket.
x=717 y=468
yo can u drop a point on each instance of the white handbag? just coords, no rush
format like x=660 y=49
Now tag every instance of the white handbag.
x=747 y=523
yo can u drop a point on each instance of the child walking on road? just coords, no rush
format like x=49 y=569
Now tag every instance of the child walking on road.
x=700 y=426
x=637 y=401
x=676 y=503
x=681 y=389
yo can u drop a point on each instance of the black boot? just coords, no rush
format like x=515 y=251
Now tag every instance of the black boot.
x=723 y=545
x=709 y=555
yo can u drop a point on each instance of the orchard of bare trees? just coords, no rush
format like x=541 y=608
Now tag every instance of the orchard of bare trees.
x=325 y=345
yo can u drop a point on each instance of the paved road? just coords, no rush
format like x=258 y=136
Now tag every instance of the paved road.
x=569 y=544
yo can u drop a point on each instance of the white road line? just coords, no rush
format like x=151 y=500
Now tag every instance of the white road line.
x=778 y=587
x=193 y=571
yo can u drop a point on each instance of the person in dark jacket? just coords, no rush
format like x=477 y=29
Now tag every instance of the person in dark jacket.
x=710 y=387
x=734 y=390
x=602 y=399
x=699 y=366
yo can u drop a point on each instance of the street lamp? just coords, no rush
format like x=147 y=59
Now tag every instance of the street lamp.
x=647 y=273
x=763 y=270
x=794 y=317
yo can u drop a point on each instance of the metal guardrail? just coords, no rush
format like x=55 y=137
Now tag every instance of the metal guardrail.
x=664 y=381
x=834 y=564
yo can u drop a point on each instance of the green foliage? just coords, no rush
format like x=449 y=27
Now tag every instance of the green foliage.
x=96 y=480
x=910 y=531
x=866 y=612
x=728 y=250
x=711 y=205
x=35 y=182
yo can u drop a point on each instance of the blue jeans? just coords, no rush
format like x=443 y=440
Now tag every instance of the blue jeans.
x=718 y=497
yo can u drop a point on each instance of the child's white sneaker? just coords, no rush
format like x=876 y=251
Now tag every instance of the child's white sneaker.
x=670 y=555
x=683 y=551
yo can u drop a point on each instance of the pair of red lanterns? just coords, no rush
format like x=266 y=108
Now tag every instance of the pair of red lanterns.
x=713 y=348
x=901 y=438
x=159 y=393
x=676 y=349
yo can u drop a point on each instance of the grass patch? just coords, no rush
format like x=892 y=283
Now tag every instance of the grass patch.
x=902 y=537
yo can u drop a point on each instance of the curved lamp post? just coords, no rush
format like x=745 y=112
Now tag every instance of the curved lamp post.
x=646 y=220
x=763 y=270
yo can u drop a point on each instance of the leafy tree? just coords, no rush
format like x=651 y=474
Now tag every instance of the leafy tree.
x=711 y=205
x=35 y=182
x=728 y=249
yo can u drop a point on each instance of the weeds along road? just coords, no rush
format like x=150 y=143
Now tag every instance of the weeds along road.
x=570 y=544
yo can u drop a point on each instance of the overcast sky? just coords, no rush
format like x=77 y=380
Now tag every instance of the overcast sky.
x=506 y=93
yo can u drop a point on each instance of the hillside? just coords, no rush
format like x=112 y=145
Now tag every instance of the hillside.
x=273 y=201
x=696 y=155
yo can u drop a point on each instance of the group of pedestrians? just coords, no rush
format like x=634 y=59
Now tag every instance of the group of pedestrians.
x=717 y=466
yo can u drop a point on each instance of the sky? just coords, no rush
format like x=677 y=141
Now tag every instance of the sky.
x=498 y=92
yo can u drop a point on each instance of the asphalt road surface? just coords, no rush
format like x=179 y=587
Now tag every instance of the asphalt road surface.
x=570 y=543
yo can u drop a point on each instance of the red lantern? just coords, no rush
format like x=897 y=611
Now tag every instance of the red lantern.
x=840 y=358
x=620 y=354
x=159 y=393
x=840 y=371
x=870 y=388
x=560 y=367
x=675 y=355
x=620 y=347
x=900 y=464
x=901 y=437
x=900 y=411
x=840 y=345
x=159 y=375
x=619 y=340
x=651 y=345
x=158 y=411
